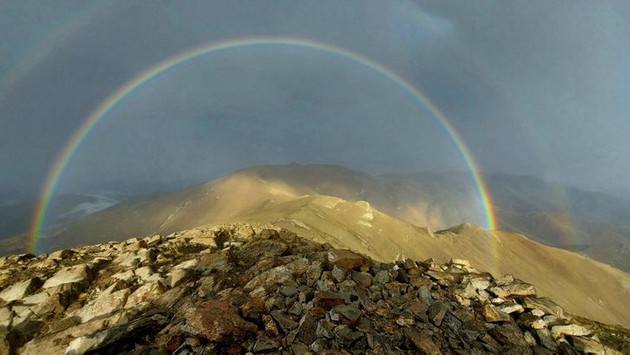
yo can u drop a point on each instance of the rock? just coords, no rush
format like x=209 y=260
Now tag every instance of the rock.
x=349 y=313
x=383 y=277
x=180 y=276
x=338 y=274
x=325 y=329
x=509 y=334
x=363 y=278
x=445 y=278
x=307 y=332
x=5 y=347
x=529 y=338
x=419 y=309
x=6 y=316
x=253 y=308
x=105 y=304
x=217 y=321
x=405 y=321
x=328 y=299
x=544 y=304
x=83 y=344
x=420 y=281
x=187 y=265
x=286 y=323
x=494 y=315
x=570 y=329
x=313 y=272
x=504 y=280
x=296 y=309
x=512 y=307
x=531 y=321
x=587 y=346
x=538 y=313
x=146 y=274
x=144 y=295
x=127 y=276
x=423 y=342
x=546 y=340
x=19 y=290
x=279 y=275
x=269 y=291
x=346 y=259
x=468 y=290
x=437 y=311
x=460 y=262
x=346 y=337
x=288 y=291
x=264 y=345
x=271 y=328
x=79 y=275
x=299 y=266
x=515 y=289
x=480 y=283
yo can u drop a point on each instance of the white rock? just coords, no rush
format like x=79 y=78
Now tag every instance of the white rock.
x=143 y=272
x=154 y=240
x=6 y=316
x=483 y=295
x=178 y=276
x=504 y=280
x=75 y=274
x=188 y=264
x=35 y=299
x=144 y=294
x=462 y=262
x=106 y=303
x=511 y=308
x=147 y=275
x=480 y=284
x=81 y=345
x=571 y=329
x=497 y=300
x=19 y=290
x=538 y=312
x=22 y=314
x=127 y=259
x=127 y=276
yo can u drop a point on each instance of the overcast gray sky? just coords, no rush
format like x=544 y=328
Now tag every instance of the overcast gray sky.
x=533 y=87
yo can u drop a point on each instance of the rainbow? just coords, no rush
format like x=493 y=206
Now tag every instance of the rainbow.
x=53 y=36
x=108 y=104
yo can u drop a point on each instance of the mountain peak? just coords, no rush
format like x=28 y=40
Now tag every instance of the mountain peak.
x=463 y=228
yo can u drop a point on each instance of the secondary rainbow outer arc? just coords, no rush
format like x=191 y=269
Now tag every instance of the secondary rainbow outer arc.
x=105 y=106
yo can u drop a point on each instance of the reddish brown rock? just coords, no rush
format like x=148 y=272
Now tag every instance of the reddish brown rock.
x=217 y=321
x=345 y=258
x=328 y=299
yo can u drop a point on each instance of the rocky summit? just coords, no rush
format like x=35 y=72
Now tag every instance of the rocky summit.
x=244 y=289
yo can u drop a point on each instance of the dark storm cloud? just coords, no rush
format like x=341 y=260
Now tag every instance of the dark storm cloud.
x=532 y=87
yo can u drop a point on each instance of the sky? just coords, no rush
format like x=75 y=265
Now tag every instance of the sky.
x=532 y=88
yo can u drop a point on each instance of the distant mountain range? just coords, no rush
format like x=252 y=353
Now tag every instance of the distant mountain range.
x=15 y=216
x=388 y=217
x=591 y=223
